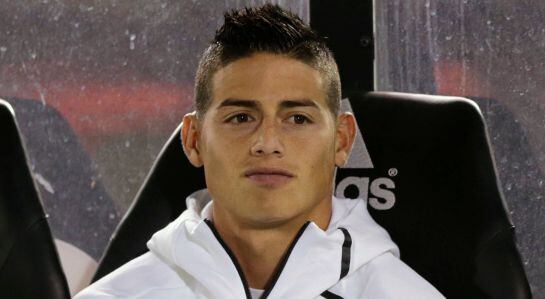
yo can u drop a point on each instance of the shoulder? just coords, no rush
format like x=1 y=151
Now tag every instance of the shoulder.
x=144 y=277
x=386 y=276
x=389 y=272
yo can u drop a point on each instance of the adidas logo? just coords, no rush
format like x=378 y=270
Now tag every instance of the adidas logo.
x=378 y=192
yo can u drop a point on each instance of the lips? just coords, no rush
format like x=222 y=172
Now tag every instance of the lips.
x=269 y=177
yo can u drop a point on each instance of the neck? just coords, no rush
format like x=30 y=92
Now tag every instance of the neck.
x=259 y=250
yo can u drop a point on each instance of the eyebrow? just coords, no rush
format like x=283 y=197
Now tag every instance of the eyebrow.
x=298 y=103
x=239 y=103
x=255 y=104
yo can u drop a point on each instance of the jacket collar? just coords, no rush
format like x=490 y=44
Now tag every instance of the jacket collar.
x=314 y=265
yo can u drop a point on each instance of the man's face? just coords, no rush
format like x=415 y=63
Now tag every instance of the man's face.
x=268 y=141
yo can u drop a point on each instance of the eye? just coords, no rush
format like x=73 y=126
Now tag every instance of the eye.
x=300 y=119
x=239 y=118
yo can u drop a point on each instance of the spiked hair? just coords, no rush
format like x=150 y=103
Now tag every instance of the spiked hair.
x=265 y=29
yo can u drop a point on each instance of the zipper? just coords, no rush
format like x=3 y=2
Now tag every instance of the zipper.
x=233 y=258
x=272 y=282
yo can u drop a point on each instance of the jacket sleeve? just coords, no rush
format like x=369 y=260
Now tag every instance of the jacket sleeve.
x=385 y=277
x=389 y=277
x=144 y=277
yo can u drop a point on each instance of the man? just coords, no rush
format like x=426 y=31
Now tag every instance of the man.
x=268 y=132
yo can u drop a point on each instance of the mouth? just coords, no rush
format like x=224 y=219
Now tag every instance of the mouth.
x=269 y=177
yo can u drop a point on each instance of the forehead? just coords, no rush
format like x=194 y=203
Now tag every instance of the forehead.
x=268 y=78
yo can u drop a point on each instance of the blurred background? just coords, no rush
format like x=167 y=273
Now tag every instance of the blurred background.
x=99 y=86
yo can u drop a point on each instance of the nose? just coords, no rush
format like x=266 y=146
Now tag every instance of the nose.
x=268 y=140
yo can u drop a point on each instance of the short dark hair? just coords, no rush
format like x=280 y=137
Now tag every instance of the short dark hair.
x=268 y=29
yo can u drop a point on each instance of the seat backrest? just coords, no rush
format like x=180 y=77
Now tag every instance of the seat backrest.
x=69 y=184
x=161 y=199
x=424 y=166
x=29 y=263
x=433 y=186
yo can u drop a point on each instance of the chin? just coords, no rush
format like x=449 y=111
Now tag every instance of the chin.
x=271 y=196
x=268 y=221
x=273 y=215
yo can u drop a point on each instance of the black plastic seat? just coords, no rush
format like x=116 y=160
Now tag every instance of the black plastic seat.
x=449 y=218
x=429 y=179
x=29 y=263
x=81 y=211
x=160 y=200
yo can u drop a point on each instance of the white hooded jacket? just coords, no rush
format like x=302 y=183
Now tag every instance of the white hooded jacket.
x=353 y=258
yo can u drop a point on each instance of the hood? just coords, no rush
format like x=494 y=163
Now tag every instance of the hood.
x=317 y=260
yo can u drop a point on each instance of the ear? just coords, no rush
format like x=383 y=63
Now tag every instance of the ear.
x=190 y=135
x=346 y=134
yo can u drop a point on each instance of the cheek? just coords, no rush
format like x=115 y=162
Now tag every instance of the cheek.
x=210 y=151
x=318 y=152
x=220 y=151
x=219 y=166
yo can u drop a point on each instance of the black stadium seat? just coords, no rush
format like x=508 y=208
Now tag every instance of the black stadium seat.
x=449 y=217
x=80 y=201
x=29 y=264
x=160 y=200
x=429 y=178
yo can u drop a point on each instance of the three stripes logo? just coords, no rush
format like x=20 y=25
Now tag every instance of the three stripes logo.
x=378 y=191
